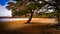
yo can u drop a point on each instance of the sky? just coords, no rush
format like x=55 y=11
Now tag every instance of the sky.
x=3 y=11
x=3 y=2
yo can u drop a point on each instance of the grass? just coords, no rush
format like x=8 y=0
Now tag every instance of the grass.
x=32 y=29
x=18 y=27
x=35 y=27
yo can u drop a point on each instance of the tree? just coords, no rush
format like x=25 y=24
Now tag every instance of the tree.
x=23 y=7
x=56 y=6
x=32 y=7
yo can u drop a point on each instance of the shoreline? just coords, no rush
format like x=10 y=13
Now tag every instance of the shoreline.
x=38 y=20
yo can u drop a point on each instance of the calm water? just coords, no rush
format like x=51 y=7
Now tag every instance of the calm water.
x=14 y=19
x=43 y=20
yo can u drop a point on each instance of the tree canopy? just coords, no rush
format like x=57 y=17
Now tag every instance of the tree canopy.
x=23 y=7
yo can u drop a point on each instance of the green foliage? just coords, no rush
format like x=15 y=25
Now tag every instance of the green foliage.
x=23 y=10
x=32 y=6
x=48 y=15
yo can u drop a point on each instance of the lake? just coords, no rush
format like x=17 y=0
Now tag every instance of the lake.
x=42 y=20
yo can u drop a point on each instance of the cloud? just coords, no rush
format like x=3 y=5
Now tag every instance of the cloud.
x=5 y=12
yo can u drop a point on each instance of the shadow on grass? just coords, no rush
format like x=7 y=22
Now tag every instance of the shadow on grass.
x=32 y=28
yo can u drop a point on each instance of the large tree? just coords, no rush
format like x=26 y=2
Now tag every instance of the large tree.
x=25 y=7
x=29 y=6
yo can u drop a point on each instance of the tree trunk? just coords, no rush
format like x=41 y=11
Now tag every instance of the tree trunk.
x=30 y=18
x=58 y=17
